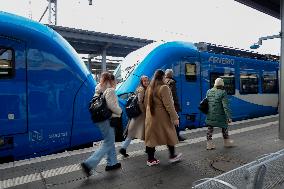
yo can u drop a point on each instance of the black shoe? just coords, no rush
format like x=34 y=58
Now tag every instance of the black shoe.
x=86 y=169
x=122 y=151
x=113 y=167
x=180 y=138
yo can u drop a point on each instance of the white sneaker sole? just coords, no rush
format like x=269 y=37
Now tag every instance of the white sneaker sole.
x=211 y=148
x=152 y=164
x=176 y=159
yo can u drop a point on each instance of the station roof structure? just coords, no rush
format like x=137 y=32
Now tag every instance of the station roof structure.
x=90 y=42
x=270 y=7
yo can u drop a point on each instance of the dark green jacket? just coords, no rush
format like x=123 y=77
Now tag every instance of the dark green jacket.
x=219 y=111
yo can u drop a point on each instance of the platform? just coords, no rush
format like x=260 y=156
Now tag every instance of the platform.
x=253 y=138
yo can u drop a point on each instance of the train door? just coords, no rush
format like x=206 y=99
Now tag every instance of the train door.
x=13 y=81
x=190 y=91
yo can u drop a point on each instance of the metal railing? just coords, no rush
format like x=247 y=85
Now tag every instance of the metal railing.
x=264 y=173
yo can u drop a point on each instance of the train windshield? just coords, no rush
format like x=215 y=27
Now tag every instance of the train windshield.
x=126 y=67
x=117 y=73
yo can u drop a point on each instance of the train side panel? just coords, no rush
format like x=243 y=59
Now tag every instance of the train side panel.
x=52 y=86
x=84 y=130
x=251 y=84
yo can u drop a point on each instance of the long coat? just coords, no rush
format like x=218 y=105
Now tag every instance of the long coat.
x=159 y=127
x=136 y=126
x=219 y=111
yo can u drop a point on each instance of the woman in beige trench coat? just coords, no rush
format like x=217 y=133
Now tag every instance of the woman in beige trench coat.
x=161 y=119
x=136 y=125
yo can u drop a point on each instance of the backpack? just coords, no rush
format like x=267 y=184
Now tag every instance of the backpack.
x=132 y=107
x=204 y=106
x=98 y=109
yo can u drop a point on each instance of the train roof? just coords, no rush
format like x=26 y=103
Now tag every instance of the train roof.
x=22 y=25
x=219 y=49
x=34 y=34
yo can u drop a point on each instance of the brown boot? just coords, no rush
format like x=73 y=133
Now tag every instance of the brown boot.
x=228 y=143
x=210 y=145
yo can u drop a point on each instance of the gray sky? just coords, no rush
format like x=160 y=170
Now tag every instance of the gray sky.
x=223 y=22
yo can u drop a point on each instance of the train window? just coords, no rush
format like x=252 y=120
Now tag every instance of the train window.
x=6 y=63
x=117 y=74
x=248 y=83
x=229 y=81
x=269 y=83
x=190 y=72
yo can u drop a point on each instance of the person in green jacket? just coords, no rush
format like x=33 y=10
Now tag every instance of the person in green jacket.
x=219 y=113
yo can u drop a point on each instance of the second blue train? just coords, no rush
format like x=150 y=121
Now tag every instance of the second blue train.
x=251 y=79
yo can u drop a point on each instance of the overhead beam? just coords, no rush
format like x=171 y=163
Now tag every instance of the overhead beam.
x=270 y=7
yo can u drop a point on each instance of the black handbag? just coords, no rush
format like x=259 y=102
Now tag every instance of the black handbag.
x=204 y=106
x=132 y=107
x=98 y=109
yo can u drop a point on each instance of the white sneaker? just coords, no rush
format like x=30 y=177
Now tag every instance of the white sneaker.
x=153 y=162
x=228 y=143
x=210 y=145
x=176 y=158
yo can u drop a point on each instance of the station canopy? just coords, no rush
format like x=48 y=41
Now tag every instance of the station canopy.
x=90 y=42
x=270 y=7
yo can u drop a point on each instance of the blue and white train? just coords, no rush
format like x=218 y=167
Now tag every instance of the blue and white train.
x=251 y=79
x=45 y=90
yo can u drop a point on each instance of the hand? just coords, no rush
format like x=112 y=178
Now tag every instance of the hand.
x=229 y=121
x=176 y=123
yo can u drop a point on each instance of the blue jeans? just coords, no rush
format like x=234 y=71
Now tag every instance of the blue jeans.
x=107 y=148
x=126 y=143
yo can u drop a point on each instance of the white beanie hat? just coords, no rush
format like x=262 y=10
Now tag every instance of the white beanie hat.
x=169 y=73
x=219 y=82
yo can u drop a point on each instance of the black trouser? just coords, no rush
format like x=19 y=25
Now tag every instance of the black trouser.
x=177 y=130
x=210 y=132
x=116 y=122
x=151 y=152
